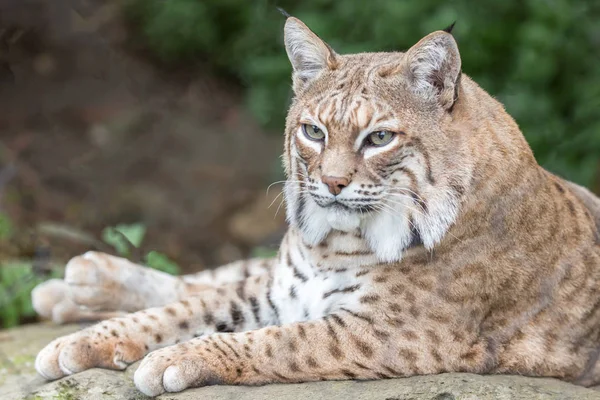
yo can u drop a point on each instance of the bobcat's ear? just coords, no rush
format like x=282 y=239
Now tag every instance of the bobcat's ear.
x=308 y=54
x=432 y=67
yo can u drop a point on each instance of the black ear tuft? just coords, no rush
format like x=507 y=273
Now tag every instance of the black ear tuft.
x=449 y=29
x=283 y=12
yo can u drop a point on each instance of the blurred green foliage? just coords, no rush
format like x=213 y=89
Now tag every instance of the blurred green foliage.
x=6 y=228
x=161 y=262
x=124 y=238
x=263 y=252
x=539 y=57
x=17 y=280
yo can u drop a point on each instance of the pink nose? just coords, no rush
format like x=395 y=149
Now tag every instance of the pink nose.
x=335 y=183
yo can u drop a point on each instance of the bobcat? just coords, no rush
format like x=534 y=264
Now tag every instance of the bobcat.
x=423 y=238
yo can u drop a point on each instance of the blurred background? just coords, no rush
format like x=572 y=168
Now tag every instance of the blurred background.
x=152 y=128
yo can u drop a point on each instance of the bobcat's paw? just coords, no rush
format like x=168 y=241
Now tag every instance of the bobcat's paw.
x=50 y=296
x=84 y=350
x=51 y=300
x=99 y=286
x=173 y=369
x=98 y=281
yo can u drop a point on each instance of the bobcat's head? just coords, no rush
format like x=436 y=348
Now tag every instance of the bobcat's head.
x=372 y=143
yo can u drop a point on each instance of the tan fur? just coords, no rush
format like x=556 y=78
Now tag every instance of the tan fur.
x=490 y=265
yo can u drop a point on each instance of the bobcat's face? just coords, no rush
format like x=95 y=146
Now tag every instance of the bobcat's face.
x=371 y=146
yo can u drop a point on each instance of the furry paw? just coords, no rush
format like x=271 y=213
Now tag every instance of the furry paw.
x=48 y=298
x=84 y=350
x=173 y=369
x=51 y=300
x=99 y=286
x=100 y=281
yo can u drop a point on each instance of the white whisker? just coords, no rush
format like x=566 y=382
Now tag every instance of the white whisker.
x=274 y=183
x=275 y=199
x=280 y=204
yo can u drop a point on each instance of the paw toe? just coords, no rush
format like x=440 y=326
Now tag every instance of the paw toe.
x=174 y=380
x=164 y=370
x=82 y=271
x=46 y=295
x=186 y=373
x=93 y=297
x=148 y=378
x=77 y=356
x=46 y=362
x=89 y=283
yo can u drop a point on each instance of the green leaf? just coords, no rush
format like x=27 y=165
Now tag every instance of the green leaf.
x=122 y=236
x=263 y=252
x=17 y=280
x=6 y=228
x=161 y=262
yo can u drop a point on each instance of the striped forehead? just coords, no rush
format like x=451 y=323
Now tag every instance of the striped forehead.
x=346 y=110
x=351 y=103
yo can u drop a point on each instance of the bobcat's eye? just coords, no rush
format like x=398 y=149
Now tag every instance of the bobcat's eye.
x=313 y=132
x=380 y=138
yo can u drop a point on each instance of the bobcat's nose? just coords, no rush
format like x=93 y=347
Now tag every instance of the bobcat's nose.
x=335 y=183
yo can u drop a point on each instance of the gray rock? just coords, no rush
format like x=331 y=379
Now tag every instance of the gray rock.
x=18 y=380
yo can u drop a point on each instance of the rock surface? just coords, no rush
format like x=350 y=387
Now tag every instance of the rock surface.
x=18 y=380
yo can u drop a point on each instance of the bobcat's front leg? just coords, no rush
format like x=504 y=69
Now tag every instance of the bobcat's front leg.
x=117 y=342
x=343 y=345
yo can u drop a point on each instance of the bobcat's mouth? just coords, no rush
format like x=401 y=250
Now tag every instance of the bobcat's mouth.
x=347 y=205
x=356 y=208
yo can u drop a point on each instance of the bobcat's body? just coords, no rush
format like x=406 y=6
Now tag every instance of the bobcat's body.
x=445 y=249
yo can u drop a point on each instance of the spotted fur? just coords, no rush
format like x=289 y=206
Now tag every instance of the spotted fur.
x=448 y=249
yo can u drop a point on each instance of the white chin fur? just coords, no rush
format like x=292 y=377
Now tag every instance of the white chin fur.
x=387 y=236
x=343 y=220
x=315 y=227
